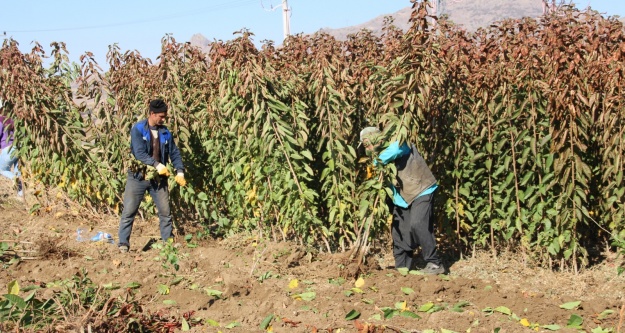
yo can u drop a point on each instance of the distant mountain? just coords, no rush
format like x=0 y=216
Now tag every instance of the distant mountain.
x=469 y=14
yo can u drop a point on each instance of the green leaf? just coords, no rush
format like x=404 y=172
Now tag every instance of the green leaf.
x=375 y=317
x=212 y=323
x=389 y=313
x=407 y=290
x=352 y=315
x=605 y=314
x=403 y=271
x=213 y=292
x=426 y=307
x=503 y=310
x=176 y=280
x=570 y=305
x=185 y=325
x=552 y=327
x=575 y=321
x=307 y=296
x=16 y=300
x=458 y=307
x=110 y=286
x=233 y=325
x=202 y=196
x=357 y=290
x=169 y=302
x=410 y=314
x=265 y=323
x=163 y=289
x=133 y=285
x=307 y=154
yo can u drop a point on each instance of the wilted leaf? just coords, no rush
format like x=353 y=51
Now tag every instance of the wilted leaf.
x=359 y=283
x=524 y=322
x=293 y=284
x=169 y=302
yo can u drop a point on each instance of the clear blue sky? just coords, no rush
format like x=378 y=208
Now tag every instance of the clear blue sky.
x=140 y=24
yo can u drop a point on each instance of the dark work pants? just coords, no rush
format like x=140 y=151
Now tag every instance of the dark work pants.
x=136 y=187
x=412 y=228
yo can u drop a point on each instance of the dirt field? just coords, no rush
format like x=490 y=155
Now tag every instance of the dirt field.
x=241 y=284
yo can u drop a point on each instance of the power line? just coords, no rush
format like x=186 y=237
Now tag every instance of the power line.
x=228 y=5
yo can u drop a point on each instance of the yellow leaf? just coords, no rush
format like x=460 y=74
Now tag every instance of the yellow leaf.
x=293 y=284
x=359 y=283
x=14 y=287
x=524 y=322
x=270 y=328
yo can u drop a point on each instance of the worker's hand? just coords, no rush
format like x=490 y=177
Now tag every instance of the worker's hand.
x=180 y=179
x=162 y=170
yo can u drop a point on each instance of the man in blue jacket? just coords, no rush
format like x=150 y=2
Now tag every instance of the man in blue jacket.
x=412 y=201
x=152 y=145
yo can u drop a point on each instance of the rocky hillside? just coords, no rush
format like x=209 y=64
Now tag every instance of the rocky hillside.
x=470 y=14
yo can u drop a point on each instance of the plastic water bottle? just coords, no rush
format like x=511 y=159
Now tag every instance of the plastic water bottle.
x=102 y=236
x=80 y=235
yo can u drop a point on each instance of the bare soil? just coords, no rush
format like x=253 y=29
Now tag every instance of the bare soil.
x=233 y=284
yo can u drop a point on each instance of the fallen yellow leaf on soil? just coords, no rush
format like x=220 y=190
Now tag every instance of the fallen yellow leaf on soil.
x=293 y=284
x=359 y=283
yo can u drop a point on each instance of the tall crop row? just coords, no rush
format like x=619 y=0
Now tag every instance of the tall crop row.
x=521 y=122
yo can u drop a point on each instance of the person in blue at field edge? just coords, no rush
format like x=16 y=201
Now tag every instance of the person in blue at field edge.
x=8 y=162
x=411 y=203
x=152 y=144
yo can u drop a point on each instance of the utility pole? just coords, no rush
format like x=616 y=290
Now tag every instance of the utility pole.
x=286 y=20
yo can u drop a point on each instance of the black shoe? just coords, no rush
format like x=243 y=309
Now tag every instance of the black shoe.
x=433 y=269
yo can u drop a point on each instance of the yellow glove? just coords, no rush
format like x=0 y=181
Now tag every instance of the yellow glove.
x=162 y=170
x=180 y=179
